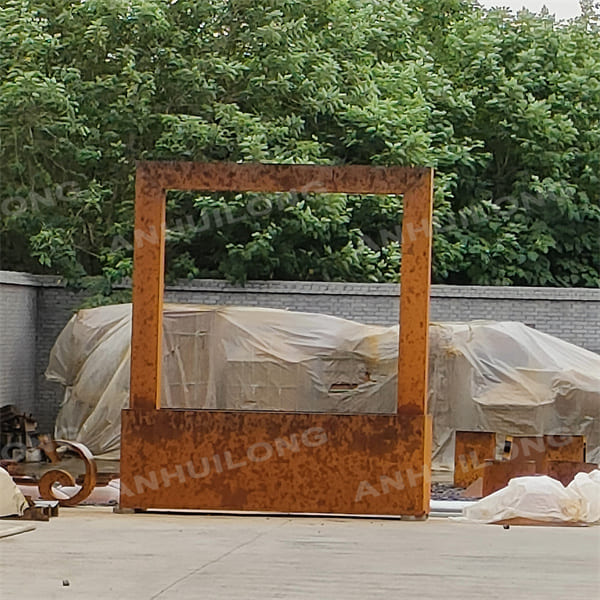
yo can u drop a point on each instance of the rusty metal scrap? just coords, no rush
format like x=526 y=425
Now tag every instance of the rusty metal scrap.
x=497 y=473
x=64 y=478
x=471 y=450
x=17 y=432
x=558 y=456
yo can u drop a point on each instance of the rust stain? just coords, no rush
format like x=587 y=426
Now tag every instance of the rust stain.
x=565 y=470
x=471 y=450
x=64 y=478
x=497 y=473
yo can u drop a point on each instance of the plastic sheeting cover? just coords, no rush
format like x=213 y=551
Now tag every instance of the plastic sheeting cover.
x=491 y=376
x=541 y=498
x=12 y=501
x=508 y=378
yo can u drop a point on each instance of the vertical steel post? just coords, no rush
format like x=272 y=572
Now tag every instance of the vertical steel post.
x=415 y=284
x=148 y=283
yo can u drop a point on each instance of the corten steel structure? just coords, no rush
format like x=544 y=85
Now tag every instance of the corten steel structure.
x=278 y=461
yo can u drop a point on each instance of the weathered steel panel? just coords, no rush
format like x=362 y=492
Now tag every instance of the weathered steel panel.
x=565 y=448
x=276 y=462
x=565 y=470
x=471 y=450
x=542 y=449
x=528 y=448
x=497 y=473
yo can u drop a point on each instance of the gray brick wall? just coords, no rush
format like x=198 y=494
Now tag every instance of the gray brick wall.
x=571 y=314
x=55 y=306
x=18 y=306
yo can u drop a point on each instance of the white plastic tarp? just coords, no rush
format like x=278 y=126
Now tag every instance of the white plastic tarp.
x=541 y=498
x=502 y=377
x=509 y=378
x=12 y=501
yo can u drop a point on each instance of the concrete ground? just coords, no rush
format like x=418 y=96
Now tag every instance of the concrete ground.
x=190 y=556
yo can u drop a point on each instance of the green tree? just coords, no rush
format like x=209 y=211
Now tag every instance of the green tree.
x=505 y=107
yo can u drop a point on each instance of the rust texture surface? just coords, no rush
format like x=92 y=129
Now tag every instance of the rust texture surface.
x=542 y=449
x=64 y=478
x=415 y=278
x=497 y=473
x=258 y=177
x=280 y=462
x=565 y=447
x=529 y=448
x=565 y=470
x=145 y=443
x=471 y=450
x=558 y=456
x=148 y=284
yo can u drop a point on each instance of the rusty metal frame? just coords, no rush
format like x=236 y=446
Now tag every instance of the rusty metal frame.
x=368 y=464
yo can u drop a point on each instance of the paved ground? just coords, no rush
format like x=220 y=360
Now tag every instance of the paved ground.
x=179 y=557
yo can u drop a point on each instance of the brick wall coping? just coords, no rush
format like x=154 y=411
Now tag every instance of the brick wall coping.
x=338 y=288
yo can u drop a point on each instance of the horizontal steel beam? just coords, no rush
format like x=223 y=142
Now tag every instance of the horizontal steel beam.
x=259 y=177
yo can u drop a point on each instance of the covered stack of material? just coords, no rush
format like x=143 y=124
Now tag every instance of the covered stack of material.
x=492 y=376
x=508 y=378
x=222 y=357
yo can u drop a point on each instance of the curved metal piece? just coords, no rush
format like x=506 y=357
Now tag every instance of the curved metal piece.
x=64 y=478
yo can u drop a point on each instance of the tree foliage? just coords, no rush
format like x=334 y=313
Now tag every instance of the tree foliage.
x=505 y=107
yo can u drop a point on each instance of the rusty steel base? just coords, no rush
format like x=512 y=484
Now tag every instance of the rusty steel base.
x=276 y=462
